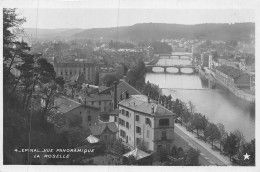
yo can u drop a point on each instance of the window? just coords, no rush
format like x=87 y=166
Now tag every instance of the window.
x=137 y=118
x=105 y=109
x=122 y=133
x=99 y=103
x=147 y=133
x=61 y=73
x=164 y=136
x=127 y=125
x=123 y=122
x=80 y=112
x=123 y=111
x=115 y=120
x=127 y=114
x=138 y=130
x=89 y=118
x=92 y=103
x=148 y=121
x=164 y=122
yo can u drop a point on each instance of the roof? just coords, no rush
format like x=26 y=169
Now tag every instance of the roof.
x=123 y=86
x=92 y=139
x=65 y=104
x=140 y=103
x=137 y=153
x=115 y=112
x=95 y=97
x=230 y=71
x=98 y=129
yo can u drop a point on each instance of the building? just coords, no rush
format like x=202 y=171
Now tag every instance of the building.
x=106 y=132
x=142 y=121
x=70 y=69
x=121 y=89
x=76 y=114
x=233 y=77
x=103 y=101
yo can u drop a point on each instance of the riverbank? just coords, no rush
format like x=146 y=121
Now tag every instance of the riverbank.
x=239 y=93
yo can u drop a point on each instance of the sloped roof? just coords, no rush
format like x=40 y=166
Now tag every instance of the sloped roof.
x=115 y=112
x=65 y=104
x=230 y=71
x=95 y=97
x=123 y=86
x=140 y=103
x=92 y=139
x=98 y=129
x=137 y=153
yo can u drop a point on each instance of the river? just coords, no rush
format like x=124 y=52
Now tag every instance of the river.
x=218 y=104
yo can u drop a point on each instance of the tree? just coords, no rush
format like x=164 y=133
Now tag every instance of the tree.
x=240 y=137
x=212 y=133
x=199 y=122
x=151 y=90
x=230 y=145
x=223 y=134
x=248 y=148
x=192 y=157
x=109 y=79
x=14 y=50
x=191 y=107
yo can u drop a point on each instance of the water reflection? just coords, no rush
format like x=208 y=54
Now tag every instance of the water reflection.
x=213 y=100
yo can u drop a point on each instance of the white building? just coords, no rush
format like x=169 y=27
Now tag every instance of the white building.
x=143 y=121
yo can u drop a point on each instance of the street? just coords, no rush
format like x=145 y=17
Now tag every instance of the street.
x=206 y=157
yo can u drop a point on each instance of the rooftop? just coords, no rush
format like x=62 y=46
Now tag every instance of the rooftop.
x=140 y=103
x=98 y=129
x=230 y=71
x=65 y=104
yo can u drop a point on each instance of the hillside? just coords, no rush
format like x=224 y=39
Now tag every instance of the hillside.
x=157 y=31
x=154 y=31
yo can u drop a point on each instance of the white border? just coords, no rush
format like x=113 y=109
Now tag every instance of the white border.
x=138 y=4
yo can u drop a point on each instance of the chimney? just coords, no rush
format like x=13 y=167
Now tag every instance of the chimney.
x=121 y=96
x=126 y=95
x=115 y=95
x=152 y=110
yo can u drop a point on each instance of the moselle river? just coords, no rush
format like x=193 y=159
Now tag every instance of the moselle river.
x=218 y=104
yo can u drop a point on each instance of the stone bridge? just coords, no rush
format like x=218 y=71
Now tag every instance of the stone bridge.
x=179 y=55
x=195 y=68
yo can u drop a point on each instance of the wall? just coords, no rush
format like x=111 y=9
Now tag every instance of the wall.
x=84 y=112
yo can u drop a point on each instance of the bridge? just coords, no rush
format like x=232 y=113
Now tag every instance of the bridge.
x=179 y=55
x=195 y=68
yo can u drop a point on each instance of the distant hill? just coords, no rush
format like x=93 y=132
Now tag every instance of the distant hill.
x=155 y=31
x=51 y=33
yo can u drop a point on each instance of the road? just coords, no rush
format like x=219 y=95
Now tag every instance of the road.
x=206 y=157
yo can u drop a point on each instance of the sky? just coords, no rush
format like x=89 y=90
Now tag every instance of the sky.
x=50 y=18
x=87 y=14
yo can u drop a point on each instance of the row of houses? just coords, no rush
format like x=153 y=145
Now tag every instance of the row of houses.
x=134 y=118
x=233 y=77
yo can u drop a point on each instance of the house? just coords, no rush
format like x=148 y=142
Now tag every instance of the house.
x=143 y=121
x=119 y=92
x=105 y=132
x=233 y=77
x=75 y=68
x=76 y=114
